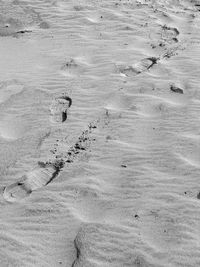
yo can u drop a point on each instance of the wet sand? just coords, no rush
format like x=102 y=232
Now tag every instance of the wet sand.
x=108 y=176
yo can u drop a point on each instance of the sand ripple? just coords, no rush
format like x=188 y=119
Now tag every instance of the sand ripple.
x=128 y=190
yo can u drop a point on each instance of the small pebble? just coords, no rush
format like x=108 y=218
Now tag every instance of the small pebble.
x=124 y=166
x=176 y=89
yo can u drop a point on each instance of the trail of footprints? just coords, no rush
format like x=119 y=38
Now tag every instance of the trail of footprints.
x=45 y=172
x=168 y=37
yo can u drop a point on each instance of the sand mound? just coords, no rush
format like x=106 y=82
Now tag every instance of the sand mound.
x=107 y=245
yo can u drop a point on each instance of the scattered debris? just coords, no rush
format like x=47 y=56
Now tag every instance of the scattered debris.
x=70 y=64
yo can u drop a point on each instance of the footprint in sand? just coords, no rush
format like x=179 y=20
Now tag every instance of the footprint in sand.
x=31 y=181
x=46 y=172
x=144 y=65
x=59 y=108
x=169 y=34
x=165 y=37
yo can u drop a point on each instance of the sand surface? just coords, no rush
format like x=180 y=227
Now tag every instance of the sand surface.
x=126 y=192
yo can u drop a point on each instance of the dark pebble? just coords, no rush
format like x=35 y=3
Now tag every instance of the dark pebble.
x=124 y=166
x=176 y=89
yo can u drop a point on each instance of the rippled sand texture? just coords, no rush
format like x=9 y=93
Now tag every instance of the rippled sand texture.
x=128 y=194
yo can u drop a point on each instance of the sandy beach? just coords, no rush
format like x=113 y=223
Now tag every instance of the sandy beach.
x=99 y=133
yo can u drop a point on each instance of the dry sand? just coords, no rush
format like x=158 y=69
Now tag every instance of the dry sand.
x=126 y=187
